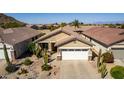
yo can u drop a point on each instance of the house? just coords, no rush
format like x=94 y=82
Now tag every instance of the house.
x=68 y=44
x=107 y=38
x=17 y=40
x=84 y=42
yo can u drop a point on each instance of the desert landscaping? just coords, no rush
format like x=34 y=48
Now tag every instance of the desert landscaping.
x=66 y=50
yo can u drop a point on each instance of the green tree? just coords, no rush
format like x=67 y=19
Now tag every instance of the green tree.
x=122 y=26
x=51 y=27
x=35 y=49
x=35 y=27
x=112 y=26
x=76 y=24
x=62 y=25
x=12 y=25
x=31 y=48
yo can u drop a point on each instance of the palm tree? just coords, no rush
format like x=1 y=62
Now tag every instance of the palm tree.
x=76 y=24
x=62 y=25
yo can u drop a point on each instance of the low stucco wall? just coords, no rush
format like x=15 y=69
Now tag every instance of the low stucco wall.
x=99 y=46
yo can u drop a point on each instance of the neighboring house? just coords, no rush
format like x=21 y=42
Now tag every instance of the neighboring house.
x=17 y=40
x=83 y=43
x=68 y=44
x=107 y=38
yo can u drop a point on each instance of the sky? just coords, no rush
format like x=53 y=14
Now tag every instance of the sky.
x=46 y=18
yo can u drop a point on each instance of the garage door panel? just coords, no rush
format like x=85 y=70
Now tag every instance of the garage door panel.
x=75 y=55
x=118 y=53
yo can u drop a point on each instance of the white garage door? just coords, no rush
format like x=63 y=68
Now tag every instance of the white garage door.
x=118 y=53
x=74 y=54
x=2 y=54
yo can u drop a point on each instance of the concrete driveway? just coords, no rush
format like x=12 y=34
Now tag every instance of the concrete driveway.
x=78 y=70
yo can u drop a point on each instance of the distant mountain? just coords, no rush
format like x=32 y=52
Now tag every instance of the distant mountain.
x=110 y=22
x=7 y=19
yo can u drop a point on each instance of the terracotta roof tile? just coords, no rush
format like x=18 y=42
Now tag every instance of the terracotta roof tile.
x=16 y=35
x=107 y=36
x=68 y=30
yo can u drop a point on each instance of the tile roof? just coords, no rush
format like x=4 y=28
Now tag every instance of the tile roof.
x=15 y=35
x=72 y=38
x=68 y=30
x=106 y=36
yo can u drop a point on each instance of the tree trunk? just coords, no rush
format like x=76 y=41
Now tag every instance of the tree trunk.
x=75 y=28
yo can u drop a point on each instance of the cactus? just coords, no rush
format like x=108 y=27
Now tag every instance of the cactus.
x=46 y=66
x=101 y=65
x=104 y=71
x=46 y=58
x=6 y=54
x=99 y=56
x=99 y=60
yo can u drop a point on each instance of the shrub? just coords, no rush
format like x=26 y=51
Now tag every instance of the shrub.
x=31 y=48
x=117 y=72
x=23 y=71
x=12 y=25
x=122 y=26
x=46 y=67
x=35 y=49
x=11 y=68
x=27 y=62
x=108 y=57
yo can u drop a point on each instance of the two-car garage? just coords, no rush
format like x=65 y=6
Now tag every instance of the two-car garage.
x=74 y=54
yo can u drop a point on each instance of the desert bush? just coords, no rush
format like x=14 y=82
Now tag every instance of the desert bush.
x=117 y=72
x=12 y=25
x=31 y=48
x=35 y=49
x=23 y=71
x=46 y=67
x=108 y=57
x=11 y=68
x=27 y=62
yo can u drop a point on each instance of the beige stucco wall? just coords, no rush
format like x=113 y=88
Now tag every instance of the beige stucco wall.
x=9 y=49
x=97 y=45
x=75 y=44
x=57 y=37
x=118 y=45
